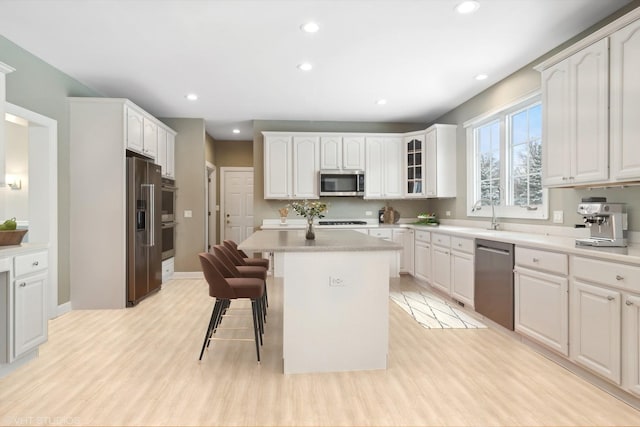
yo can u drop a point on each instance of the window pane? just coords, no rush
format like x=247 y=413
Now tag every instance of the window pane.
x=520 y=159
x=535 y=122
x=519 y=131
x=520 y=191
x=535 y=156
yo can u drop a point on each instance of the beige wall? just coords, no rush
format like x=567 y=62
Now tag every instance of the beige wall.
x=511 y=88
x=190 y=180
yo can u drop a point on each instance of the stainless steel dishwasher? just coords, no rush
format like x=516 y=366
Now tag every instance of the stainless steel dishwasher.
x=493 y=295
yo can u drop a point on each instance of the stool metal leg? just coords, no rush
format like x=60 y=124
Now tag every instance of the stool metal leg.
x=254 y=306
x=210 y=328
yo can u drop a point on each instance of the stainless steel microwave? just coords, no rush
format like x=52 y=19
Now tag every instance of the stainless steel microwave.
x=341 y=183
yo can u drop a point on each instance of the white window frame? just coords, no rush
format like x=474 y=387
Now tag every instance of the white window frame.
x=502 y=211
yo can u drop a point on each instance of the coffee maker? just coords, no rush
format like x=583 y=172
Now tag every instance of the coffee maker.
x=605 y=221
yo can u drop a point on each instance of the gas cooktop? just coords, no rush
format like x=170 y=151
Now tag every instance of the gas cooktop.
x=345 y=222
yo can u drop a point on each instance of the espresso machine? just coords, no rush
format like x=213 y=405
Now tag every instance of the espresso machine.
x=607 y=223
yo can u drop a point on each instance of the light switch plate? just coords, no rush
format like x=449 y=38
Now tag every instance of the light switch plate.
x=188 y=214
x=558 y=217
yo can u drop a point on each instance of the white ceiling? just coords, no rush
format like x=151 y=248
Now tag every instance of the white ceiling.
x=240 y=56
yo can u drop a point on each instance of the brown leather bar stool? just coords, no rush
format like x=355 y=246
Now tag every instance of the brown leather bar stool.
x=225 y=289
x=262 y=262
x=241 y=258
x=243 y=270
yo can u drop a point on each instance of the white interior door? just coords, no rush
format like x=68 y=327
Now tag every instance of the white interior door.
x=211 y=206
x=236 y=203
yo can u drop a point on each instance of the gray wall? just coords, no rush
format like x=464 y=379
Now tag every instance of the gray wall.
x=39 y=87
x=511 y=88
x=190 y=180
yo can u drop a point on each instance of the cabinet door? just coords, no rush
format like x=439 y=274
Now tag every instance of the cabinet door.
x=134 y=130
x=431 y=163
x=161 y=156
x=392 y=167
x=631 y=342
x=440 y=268
x=374 y=150
x=404 y=237
x=171 y=156
x=30 y=320
x=422 y=260
x=595 y=329
x=277 y=167
x=555 y=125
x=149 y=137
x=414 y=155
x=625 y=103
x=462 y=283
x=589 y=107
x=353 y=152
x=330 y=152
x=548 y=326
x=306 y=165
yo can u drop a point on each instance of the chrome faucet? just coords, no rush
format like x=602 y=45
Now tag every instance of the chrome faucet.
x=478 y=206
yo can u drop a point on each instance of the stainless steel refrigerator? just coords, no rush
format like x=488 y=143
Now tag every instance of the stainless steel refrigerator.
x=144 y=246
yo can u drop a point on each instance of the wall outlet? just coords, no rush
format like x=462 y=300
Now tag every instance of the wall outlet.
x=558 y=217
x=447 y=213
x=368 y=213
x=188 y=214
x=336 y=282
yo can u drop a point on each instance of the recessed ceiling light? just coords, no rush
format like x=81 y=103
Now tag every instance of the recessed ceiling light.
x=310 y=27
x=191 y=97
x=305 y=66
x=481 y=77
x=468 y=6
x=236 y=131
x=381 y=101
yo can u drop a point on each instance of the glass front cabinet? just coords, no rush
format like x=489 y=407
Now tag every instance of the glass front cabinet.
x=415 y=161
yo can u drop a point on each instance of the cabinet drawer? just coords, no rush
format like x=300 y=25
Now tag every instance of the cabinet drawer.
x=542 y=260
x=423 y=236
x=441 y=239
x=462 y=244
x=607 y=273
x=30 y=263
x=384 y=233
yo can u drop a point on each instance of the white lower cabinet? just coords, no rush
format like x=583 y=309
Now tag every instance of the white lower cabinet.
x=405 y=237
x=541 y=308
x=422 y=255
x=30 y=321
x=462 y=270
x=167 y=269
x=631 y=343
x=595 y=329
x=440 y=268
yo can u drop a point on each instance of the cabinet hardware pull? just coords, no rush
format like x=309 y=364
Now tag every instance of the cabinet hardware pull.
x=610 y=298
x=629 y=302
x=536 y=260
x=35 y=263
x=23 y=284
x=619 y=277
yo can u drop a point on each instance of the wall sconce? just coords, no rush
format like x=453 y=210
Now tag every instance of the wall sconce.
x=13 y=182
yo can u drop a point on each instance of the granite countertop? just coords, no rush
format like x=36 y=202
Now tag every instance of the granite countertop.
x=325 y=241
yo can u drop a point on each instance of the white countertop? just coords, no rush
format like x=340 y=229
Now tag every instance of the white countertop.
x=293 y=240
x=7 y=251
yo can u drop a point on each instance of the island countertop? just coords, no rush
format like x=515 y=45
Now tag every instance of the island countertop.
x=325 y=241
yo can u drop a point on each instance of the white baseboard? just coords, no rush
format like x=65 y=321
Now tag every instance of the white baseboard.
x=188 y=275
x=63 y=308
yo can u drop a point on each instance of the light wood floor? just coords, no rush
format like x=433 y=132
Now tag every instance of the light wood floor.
x=139 y=367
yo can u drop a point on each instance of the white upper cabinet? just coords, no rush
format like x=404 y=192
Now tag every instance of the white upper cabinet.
x=342 y=152
x=383 y=173
x=165 y=156
x=134 y=130
x=440 y=161
x=4 y=69
x=415 y=161
x=625 y=103
x=575 y=118
x=171 y=156
x=149 y=137
x=306 y=165
x=291 y=166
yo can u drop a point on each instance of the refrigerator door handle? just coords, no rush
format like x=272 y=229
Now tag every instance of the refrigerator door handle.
x=151 y=233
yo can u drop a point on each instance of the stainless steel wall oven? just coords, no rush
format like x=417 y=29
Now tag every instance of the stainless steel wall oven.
x=168 y=210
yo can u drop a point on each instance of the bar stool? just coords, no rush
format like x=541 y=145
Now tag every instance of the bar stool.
x=226 y=289
x=240 y=270
x=241 y=259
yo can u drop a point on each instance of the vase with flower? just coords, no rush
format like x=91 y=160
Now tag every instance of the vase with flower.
x=310 y=210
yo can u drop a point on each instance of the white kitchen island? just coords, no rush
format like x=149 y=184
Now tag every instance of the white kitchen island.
x=336 y=298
